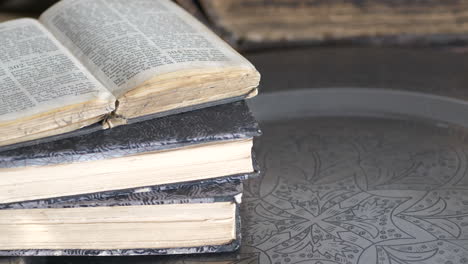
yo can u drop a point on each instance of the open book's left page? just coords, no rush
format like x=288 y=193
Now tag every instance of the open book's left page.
x=44 y=90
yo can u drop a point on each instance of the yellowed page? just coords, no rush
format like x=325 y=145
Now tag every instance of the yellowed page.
x=125 y=43
x=119 y=227
x=38 y=74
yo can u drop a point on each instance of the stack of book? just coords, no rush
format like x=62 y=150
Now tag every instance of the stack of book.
x=123 y=131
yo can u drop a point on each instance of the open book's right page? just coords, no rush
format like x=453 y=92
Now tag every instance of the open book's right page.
x=125 y=43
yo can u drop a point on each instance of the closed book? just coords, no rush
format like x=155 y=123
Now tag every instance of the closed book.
x=195 y=218
x=253 y=24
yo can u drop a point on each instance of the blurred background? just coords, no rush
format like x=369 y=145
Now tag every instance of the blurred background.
x=397 y=44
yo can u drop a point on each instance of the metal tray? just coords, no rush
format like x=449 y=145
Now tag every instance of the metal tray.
x=350 y=175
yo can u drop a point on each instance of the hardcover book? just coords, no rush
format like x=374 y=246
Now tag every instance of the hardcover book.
x=260 y=23
x=195 y=218
x=111 y=61
x=194 y=146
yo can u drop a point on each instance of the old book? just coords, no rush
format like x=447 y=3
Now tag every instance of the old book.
x=113 y=61
x=193 y=146
x=196 y=218
x=250 y=23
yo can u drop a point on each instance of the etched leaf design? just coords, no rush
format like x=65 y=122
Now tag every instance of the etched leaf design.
x=368 y=210
x=271 y=214
x=301 y=242
x=410 y=256
x=331 y=247
x=366 y=227
x=302 y=197
x=261 y=230
x=446 y=225
x=434 y=209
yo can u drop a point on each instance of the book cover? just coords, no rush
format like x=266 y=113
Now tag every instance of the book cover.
x=226 y=122
x=42 y=171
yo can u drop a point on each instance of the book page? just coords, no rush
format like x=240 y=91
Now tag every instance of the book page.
x=37 y=74
x=125 y=43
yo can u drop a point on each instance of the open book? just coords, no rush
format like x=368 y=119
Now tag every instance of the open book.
x=86 y=61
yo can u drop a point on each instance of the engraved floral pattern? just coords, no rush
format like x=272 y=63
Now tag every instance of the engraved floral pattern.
x=358 y=191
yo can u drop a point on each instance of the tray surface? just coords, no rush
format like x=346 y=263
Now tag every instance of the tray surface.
x=349 y=183
x=358 y=181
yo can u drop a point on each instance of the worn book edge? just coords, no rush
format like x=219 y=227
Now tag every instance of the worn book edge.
x=116 y=121
x=232 y=246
